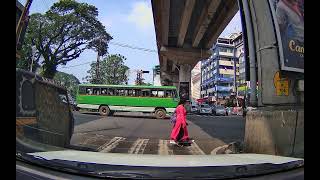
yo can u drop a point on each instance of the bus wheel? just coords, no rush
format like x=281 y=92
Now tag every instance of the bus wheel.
x=160 y=113
x=104 y=110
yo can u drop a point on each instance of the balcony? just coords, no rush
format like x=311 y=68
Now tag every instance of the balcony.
x=225 y=79
x=223 y=88
x=226 y=54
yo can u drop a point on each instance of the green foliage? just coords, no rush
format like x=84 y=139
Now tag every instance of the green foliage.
x=69 y=81
x=112 y=71
x=63 y=33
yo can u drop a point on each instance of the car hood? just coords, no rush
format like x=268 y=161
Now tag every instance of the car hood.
x=164 y=160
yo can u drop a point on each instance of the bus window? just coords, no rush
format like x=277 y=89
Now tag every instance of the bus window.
x=104 y=91
x=89 y=91
x=96 y=91
x=169 y=93
x=111 y=92
x=146 y=93
x=174 y=94
x=154 y=93
x=121 y=92
x=130 y=92
x=82 y=90
x=160 y=93
x=137 y=92
x=116 y=92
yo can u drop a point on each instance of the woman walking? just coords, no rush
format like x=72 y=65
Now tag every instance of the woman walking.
x=179 y=133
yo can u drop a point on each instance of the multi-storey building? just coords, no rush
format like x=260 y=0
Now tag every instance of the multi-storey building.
x=195 y=82
x=220 y=72
x=243 y=86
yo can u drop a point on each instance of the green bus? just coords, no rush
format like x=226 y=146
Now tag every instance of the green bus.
x=108 y=99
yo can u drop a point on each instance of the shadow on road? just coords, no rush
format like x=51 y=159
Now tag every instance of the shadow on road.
x=228 y=129
x=97 y=130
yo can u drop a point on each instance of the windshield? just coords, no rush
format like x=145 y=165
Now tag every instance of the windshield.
x=160 y=78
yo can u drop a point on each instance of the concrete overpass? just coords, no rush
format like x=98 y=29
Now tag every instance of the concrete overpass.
x=185 y=32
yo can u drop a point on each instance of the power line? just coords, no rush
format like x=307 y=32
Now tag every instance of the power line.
x=117 y=44
x=77 y=65
x=133 y=47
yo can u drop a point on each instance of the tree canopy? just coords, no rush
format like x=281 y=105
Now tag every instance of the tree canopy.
x=112 y=71
x=63 y=33
x=69 y=81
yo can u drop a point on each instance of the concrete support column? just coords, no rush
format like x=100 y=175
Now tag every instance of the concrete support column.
x=275 y=131
x=184 y=82
x=185 y=73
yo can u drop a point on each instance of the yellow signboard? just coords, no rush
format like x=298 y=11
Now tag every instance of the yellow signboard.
x=282 y=85
x=282 y=88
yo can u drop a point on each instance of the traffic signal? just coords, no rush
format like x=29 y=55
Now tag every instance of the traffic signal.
x=157 y=69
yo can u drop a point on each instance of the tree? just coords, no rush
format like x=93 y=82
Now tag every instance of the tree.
x=112 y=71
x=63 y=33
x=69 y=81
x=28 y=58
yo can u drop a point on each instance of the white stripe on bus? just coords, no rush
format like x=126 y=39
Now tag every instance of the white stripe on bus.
x=125 y=108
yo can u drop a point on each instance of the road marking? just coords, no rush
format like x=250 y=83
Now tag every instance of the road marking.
x=107 y=147
x=91 y=139
x=138 y=146
x=217 y=149
x=163 y=148
x=194 y=149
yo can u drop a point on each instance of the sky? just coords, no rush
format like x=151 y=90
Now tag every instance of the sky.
x=128 y=22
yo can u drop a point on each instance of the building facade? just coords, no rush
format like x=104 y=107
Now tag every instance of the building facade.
x=220 y=72
x=244 y=85
x=195 y=82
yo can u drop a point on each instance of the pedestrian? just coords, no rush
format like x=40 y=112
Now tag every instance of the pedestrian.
x=179 y=133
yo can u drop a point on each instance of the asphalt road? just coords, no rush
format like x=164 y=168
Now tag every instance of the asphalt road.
x=139 y=133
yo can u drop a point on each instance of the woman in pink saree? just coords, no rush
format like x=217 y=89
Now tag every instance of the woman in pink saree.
x=179 y=133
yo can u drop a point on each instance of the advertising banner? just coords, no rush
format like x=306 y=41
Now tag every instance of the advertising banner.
x=288 y=16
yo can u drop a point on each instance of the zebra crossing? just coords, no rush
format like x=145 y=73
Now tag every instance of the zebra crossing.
x=105 y=144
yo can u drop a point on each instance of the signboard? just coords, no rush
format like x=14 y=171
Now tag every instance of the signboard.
x=288 y=16
x=281 y=84
x=184 y=90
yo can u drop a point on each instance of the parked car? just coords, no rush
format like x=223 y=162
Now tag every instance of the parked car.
x=205 y=109
x=194 y=108
x=229 y=110
x=213 y=108
x=220 y=110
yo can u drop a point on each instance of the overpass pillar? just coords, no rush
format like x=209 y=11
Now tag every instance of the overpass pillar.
x=184 y=81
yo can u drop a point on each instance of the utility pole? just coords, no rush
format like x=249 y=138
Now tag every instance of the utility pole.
x=21 y=21
x=235 y=80
x=139 y=77
x=98 y=63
